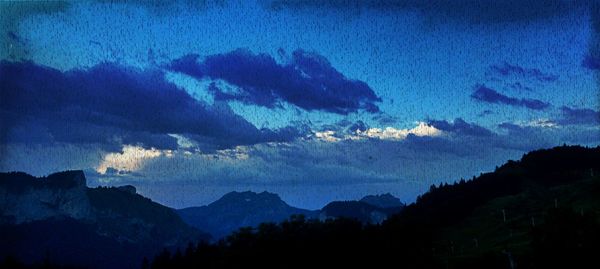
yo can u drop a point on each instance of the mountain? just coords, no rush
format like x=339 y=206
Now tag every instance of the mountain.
x=239 y=209
x=382 y=201
x=358 y=210
x=539 y=212
x=249 y=209
x=59 y=218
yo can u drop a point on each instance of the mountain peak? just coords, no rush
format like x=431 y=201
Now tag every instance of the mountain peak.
x=248 y=196
x=239 y=209
x=19 y=181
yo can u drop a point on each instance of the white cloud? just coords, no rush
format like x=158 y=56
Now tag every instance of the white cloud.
x=183 y=142
x=391 y=133
x=131 y=159
x=237 y=153
x=543 y=123
x=328 y=136
x=388 y=133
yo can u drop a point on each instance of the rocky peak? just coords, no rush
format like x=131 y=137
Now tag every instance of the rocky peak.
x=249 y=196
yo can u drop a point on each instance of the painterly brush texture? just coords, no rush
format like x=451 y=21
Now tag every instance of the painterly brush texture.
x=269 y=131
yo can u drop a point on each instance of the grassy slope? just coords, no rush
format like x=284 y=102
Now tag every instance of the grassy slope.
x=493 y=235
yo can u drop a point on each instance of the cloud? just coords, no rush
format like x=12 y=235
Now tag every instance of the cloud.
x=405 y=167
x=543 y=123
x=357 y=126
x=485 y=94
x=525 y=137
x=507 y=69
x=129 y=160
x=485 y=113
x=519 y=86
x=316 y=171
x=113 y=105
x=360 y=131
x=591 y=62
x=391 y=133
x=469 y=11
x=308 y=81
x=460 y=127
x=328 y=136
x=574 y=116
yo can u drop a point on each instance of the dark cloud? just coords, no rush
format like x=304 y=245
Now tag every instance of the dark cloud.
x=485 y=94
x=470 y=11
x=308 y=81
x=485 y=113
x=187 y=64
x=520 y=87
x=357 y=126
x=459 y=126
x=574 y=116
x=507 y=69
x=112 y=104
x=591 y=62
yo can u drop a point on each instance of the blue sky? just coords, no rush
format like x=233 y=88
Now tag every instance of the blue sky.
x=316 y=101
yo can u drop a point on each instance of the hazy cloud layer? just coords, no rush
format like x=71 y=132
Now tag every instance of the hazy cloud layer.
x=574 y=116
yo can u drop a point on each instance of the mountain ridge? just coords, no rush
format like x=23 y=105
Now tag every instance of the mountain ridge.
x=235 y=210
x=114 y=219
x=239 y=209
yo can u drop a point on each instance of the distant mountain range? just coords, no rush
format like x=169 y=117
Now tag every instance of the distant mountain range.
x=249 y=209
x=58 y=218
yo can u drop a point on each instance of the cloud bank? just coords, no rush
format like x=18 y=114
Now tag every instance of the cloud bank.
x=488 y=95
x=307 y=81
x=112 y=105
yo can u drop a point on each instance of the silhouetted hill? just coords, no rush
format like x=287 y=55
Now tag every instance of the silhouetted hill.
x=540 y=212
x=239 y=209
x=382 y=201
x=358 y=210
x=60 y=218
x=537 y=170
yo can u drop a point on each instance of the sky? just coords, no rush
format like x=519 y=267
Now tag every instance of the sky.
x=313 y=100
